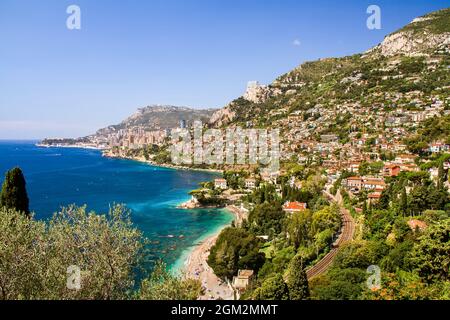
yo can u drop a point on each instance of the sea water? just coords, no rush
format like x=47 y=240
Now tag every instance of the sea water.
x=59 y=177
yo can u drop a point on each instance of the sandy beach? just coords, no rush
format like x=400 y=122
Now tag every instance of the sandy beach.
x=196 y=266
x=240 y=214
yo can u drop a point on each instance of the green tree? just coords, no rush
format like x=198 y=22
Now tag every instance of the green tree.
x=235 y=249
x=273 y=288
x=297 y=280
x=327 y=218
x=419 y=199
x=430 y=256
x=356 y=254
x=403 y=202
x=162 y=285
x=36 y=255
x=364 y=208
x=338 y=284
x=364 y=168
x=14 y=193
x=266 y=219
x=299 y=228
x=441 y=176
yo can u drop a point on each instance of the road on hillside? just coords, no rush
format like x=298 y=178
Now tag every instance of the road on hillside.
x=346 y=235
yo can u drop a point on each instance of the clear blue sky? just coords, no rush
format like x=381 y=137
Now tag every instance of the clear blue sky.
x=61 y=83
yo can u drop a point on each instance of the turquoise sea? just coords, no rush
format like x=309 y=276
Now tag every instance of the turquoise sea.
x=61 y=176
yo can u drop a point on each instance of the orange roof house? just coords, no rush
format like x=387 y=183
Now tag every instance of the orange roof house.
x=405 y=158
x=374 y=196
x=391 y=170
x=415 y=224
x=294 y=206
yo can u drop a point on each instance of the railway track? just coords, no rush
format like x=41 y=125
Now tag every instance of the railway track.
x=346 y=235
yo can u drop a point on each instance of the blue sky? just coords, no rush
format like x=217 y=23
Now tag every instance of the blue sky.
x=56 y=82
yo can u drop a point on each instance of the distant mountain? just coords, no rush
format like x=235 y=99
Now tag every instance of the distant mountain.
x=159 y=117
x=150 y=118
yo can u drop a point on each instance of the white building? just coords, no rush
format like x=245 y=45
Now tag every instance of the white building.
x=220 y=183
x=250 y=183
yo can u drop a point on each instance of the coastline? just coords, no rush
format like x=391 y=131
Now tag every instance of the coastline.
x=69 y=146
x=193 y=262
x=196 y=266
x=138 y=159
x=161 y=165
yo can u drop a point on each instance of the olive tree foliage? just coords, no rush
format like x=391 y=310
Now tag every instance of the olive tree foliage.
x=163 y=285
x=35 y=255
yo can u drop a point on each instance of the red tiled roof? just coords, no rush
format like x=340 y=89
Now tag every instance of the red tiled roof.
x=294 y=205
x=374 y=195
x=414 y=223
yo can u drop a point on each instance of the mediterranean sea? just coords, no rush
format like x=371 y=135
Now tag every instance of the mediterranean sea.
x=59 y=177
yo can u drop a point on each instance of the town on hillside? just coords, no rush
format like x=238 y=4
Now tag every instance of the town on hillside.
x=362 y=184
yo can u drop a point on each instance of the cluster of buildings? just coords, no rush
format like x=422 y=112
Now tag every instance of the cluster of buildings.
x=373 y=185
x=136 y=138
x=302 y=127
x=374 y=134
x=249 y=183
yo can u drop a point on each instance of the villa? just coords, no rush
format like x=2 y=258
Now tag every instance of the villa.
x=220 y=183
x=355 y=184
x=374 y=196
x=391 y=170
x=294 y=206
x=415 y=224
x=242 y=280
x=250 y=183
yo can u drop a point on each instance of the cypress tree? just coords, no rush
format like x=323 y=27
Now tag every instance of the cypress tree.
x=297 y=280
x=403 y=202
x=14 y=193
x=441 y=176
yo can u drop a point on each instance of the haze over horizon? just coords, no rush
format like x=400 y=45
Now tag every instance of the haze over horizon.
x=57 y=82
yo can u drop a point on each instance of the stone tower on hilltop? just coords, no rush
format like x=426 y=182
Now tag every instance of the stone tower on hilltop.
x=256 y=92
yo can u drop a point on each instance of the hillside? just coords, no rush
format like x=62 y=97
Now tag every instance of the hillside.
x=383 y=94
x=157 y=117
x=408 y=70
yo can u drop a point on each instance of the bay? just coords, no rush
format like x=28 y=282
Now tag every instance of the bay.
x=59 y=177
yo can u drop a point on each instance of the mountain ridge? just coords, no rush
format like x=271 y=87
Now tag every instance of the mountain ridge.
x=159 y=117
x=408 y=71
x=424 y=41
